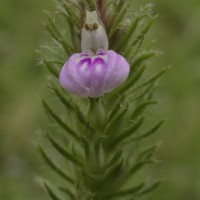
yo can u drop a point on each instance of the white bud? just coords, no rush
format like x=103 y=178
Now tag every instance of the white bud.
x=93 y=36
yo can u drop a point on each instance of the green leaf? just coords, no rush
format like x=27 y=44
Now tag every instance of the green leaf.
x=143 y=57
x=138 y=166
x=54 y=167
x=111 y=180
x=68 y=192
x=116 y=108
x=91 y=5
x=149 y=188
x=116 y=140
x=67 y=103
x=81 y=3
x=127 y=192
x=139 y=110
x=117 y=157
x=154 y=78
x=114 y=169
x=127 y=37
x=147 y=154
x=63 y=151
x=139 y=39
x=70 y=105
x=58 y=62
x=78 y=5
x=118 y=20
x=53 y=115
x=150 y=132
x=51 y=69
x=132 y=80
x=118 y=6
x=72 y=14
x=144 y=93
x=51 y=192
x=76 y=37
x=116 y=121
x=57 y=36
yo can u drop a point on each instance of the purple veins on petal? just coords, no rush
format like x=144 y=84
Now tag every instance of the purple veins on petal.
x=99 y=67
x=90 y=75
x=101 y=52
x=85 y=54
x=85 y=63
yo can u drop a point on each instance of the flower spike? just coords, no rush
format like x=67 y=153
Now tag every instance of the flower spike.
x=98 y=140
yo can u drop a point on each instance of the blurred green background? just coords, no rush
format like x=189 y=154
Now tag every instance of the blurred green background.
x=22 y=82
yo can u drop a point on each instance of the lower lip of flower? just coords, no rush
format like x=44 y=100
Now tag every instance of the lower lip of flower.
x=92 y=75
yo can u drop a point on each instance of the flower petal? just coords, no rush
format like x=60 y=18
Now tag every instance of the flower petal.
x=93 y=76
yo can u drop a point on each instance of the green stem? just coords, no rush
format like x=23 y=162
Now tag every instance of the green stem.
x=97 y=115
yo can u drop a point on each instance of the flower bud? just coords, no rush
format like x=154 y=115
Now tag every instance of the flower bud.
x=89 y=75
x=93 y=36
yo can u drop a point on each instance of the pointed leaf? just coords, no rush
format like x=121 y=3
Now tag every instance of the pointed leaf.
x=145 y=93
x=51 y=69
x=117 y=120
x=154 y=78
x=139 y=39
x=55 y=33
x=128 y=35
x=147 y=154
x=133 y=79
x=59 y=62
x=116 y=108
x=81 y=3
x=54 y=167
x=75 y=5
x=91 y=5
x=116 y=158
x=116 y=140
x=150 y=132
x=137 y=167
x=63 y=151
x=65 y=101
x=51 y=192
x=70 y=13
x=118 y=20
x=68 y=192
x=139 y=110
x=117 y=7
x=111 y=180
x=127 y=192
x=52 y=114
x=143 y=57
x=70 y=105
x=149 y=188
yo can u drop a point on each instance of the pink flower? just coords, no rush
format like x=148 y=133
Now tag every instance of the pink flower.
x=92 y=75
x=96 y=70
